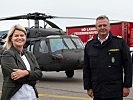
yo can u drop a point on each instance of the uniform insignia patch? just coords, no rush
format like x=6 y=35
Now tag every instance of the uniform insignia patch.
x=114 y=50
x=113 y=59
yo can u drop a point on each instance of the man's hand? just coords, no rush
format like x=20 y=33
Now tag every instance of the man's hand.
x=90 y=93
x=126 y=92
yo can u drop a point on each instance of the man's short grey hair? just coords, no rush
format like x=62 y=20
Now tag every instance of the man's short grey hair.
x=102 y=17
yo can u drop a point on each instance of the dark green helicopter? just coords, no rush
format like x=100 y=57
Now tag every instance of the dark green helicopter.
x=54 y=50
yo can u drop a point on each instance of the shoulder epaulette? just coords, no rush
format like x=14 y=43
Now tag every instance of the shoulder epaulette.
x=119 y=36
x=90 y=39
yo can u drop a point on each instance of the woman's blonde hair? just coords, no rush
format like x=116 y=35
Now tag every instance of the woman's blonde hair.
x=8 y=43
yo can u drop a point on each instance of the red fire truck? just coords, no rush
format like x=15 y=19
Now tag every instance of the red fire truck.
x=86 y=32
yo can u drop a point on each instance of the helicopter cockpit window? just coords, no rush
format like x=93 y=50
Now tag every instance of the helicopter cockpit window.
x=57 y=44
x=30 y=47
x=3 y=34
x=78 y=43
x=69 y=43
x=43 y=47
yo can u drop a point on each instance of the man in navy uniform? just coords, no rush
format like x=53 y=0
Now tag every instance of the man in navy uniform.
x=107 y=71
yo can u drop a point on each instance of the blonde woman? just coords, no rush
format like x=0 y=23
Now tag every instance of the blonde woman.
x=19 y=67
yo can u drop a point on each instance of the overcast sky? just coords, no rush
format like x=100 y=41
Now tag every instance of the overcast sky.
x=114 y=9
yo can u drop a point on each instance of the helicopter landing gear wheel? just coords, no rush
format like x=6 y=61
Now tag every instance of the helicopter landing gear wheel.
x=69 y=73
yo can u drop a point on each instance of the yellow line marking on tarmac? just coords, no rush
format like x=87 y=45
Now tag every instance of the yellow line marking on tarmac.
x=65 y=97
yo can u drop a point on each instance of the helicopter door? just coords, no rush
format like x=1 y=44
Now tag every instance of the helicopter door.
x=43 y=56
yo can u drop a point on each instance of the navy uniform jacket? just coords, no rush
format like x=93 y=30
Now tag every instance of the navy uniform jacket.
x=104 y=65
x=12 y=60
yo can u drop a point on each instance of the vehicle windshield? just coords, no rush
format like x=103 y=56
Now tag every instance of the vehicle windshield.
x=57 y=44
x=65 y=43
x=78 y=42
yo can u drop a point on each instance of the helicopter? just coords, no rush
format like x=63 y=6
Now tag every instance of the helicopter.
x=52 y=47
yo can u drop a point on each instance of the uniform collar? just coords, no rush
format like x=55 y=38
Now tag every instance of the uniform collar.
x=102 y=40
x=97 y=43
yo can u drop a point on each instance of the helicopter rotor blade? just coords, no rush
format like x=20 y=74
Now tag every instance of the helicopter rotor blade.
x=73 y=17
x=33 y=16
x=40 y=17
x=13 y=18
x=43 y=16
x=28 y=16
x=78 y=18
